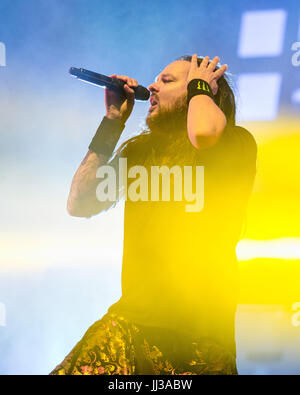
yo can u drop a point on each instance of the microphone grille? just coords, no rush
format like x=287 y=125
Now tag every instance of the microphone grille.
x=142 y=93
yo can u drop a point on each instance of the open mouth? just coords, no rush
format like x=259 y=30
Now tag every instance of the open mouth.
x=152 y=108
x=154 y=103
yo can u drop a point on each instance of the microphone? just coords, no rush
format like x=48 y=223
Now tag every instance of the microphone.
x=141 y=93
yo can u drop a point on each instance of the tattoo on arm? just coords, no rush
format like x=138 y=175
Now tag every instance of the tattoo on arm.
x=84 y=182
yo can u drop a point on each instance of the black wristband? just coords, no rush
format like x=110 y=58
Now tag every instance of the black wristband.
x=199 y=87
x=107 y=136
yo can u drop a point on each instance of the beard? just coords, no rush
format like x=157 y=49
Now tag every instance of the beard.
x=165 y=142
x=170 y=120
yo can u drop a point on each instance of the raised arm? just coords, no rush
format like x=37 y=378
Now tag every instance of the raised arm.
x=82 y=200
x=206 y=121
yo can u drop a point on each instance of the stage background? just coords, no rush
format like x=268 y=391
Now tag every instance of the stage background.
x=59 y=274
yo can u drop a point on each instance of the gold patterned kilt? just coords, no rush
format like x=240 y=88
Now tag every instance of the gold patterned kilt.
x=116 y=346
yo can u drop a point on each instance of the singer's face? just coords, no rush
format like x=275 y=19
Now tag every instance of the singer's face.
x=168 y=96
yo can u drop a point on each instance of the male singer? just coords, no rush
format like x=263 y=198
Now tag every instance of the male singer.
x=179 y=276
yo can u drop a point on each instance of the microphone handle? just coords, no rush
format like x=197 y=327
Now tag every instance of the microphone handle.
x=141 y=93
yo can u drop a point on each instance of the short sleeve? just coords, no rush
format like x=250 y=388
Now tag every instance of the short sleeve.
x=236 y=148
x=230 y=165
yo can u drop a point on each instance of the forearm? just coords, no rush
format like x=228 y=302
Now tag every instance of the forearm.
x=205 y=122
x=82 y=195
x=82 y=201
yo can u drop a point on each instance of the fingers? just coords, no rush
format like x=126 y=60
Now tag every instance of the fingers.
x=129 y=93
x=204 y=62
x=213 y=64
x=131 y=82
x=220 y=71
x=194 y=62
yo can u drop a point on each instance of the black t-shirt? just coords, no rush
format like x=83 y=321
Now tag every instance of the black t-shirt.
x=180 y=268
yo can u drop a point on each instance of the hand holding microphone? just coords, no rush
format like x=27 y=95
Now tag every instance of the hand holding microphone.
x=117 y=104
x=120 y=93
